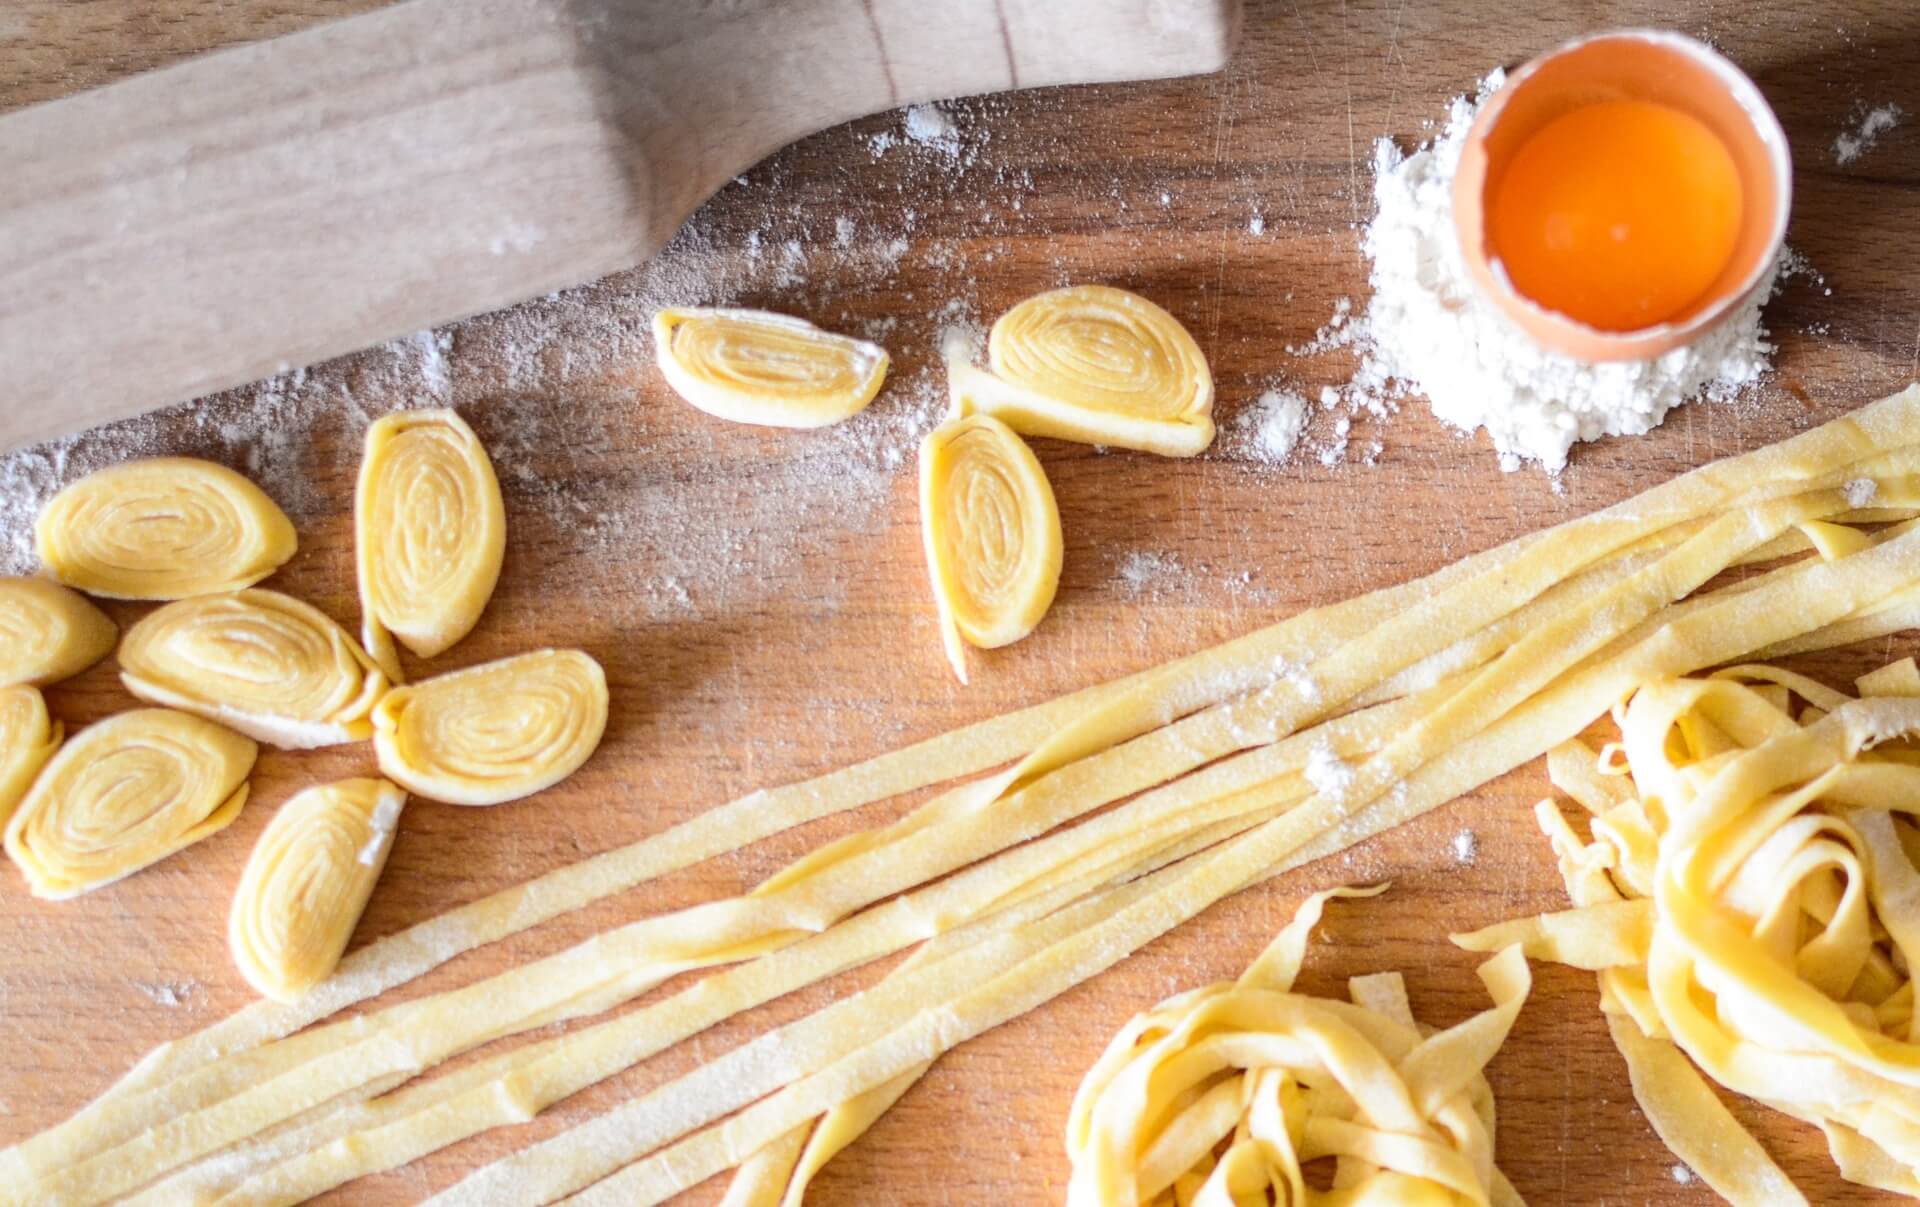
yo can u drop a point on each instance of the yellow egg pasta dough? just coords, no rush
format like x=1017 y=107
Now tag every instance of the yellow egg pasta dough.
x=266 y=664
x=754 y=366
x=307 y=882
x=48 y=633
x=430 y=532
x=28 y=739
x=163 y=528
x=125 y=793
x=495 y=732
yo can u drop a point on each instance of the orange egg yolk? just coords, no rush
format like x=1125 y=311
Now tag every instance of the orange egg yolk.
x=1618 y=214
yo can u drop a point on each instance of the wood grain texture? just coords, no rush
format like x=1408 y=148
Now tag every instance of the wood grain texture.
x=758 y=597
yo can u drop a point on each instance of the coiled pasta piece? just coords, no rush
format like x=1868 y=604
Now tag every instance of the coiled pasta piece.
x=27 y=740
x=495 y=732
x=266 y=664
x=1098 y=365
x=126 y=793
x=48 y=633
x=431 y=531
x=753 y=366
x=163 y=528
x=991 y=532
x=307 y=883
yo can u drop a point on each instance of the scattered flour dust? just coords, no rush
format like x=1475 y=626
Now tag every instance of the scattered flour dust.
x=1145 y=572
x=1852 y=143
x=1328 y=773
x=1268 y=429
x=1427 y=331
x=1466 y=848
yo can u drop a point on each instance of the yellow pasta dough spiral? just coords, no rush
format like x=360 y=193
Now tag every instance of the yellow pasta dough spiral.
x=431 y=532
x=27 y=740
x=991 y=531
x=266 y=664
x=307 y=883
x=164 y=528
x=1282 y=1079
x=48 y=633
x=753 y=366
x=1098 y=365
x=495 y=732
x=126 y=793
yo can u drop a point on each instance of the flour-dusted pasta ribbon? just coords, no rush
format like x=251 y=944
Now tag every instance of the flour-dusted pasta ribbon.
x=266 y=664
x=1098 y=365
x=28 y=739
x=495 y=732
x=991 y=532
x=48 y=633
x=307 y=883
x=125 y=793
x=430 y=531
x=1281 y=1079
x=753 y=366
x=163 y=528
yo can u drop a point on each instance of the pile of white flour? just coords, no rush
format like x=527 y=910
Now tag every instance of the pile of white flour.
x=1428 y=331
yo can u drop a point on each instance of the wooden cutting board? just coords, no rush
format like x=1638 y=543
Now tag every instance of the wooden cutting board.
x=758 y=599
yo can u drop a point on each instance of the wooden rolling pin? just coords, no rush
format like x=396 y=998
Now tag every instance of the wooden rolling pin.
x=280 y=203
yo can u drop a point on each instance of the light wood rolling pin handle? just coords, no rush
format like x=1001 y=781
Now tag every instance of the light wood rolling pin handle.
x=276 y=204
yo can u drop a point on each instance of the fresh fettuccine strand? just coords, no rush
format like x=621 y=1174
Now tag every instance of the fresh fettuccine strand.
x=28 y=739
x=991 y=531
x=1094 y=364
x=48 y=633
x=266 y=664
x=164 y=528
x=125 y=793
x=307 y=881
x=430 y=531
x=753 y=366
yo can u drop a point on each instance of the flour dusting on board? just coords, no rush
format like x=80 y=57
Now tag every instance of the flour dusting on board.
x=1426 y=331
x=1851 y=144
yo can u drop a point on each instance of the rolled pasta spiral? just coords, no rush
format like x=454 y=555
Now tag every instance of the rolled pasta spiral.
x=163 y=528
x=991 y=532
x=48 y=633
x=430 y=531
x=28 y=739
x=754 y=366
x=495 y=732
x=307 y=883
x=1750 y=898
x=266 y=664
x=1095 y=364
x=126 y=793
x=1219 y=1096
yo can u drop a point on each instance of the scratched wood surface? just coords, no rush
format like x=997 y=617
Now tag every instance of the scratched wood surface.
x=757 y=597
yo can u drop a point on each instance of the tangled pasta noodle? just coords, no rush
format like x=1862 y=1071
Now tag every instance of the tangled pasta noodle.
x=495 y=732
x=754 y=366
x=1223 y=1096
x=1749 y=897
x=163 y=528
x=48 y=633
x=266 y=664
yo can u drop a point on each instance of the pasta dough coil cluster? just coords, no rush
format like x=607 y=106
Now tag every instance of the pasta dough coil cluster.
x=163 y=528
x=1219 y=1096
x=1750 y=899
x=307 y=882
x=266 y=664
x=495 y=732
x=753 y=366
x=125 y=793
x=48 y=633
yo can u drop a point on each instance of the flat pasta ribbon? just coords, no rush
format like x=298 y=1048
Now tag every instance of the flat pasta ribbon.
x=754 y=366
x=48 y=633
x=1750 y=898
x=495 y=732
x=274 y=668
x=307 y=882
x=991 y=533
x=430 y=532
x=1095 y=364
x=28 y=739
x=1220 y=1096
x=163 y=528
x=126 y=793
